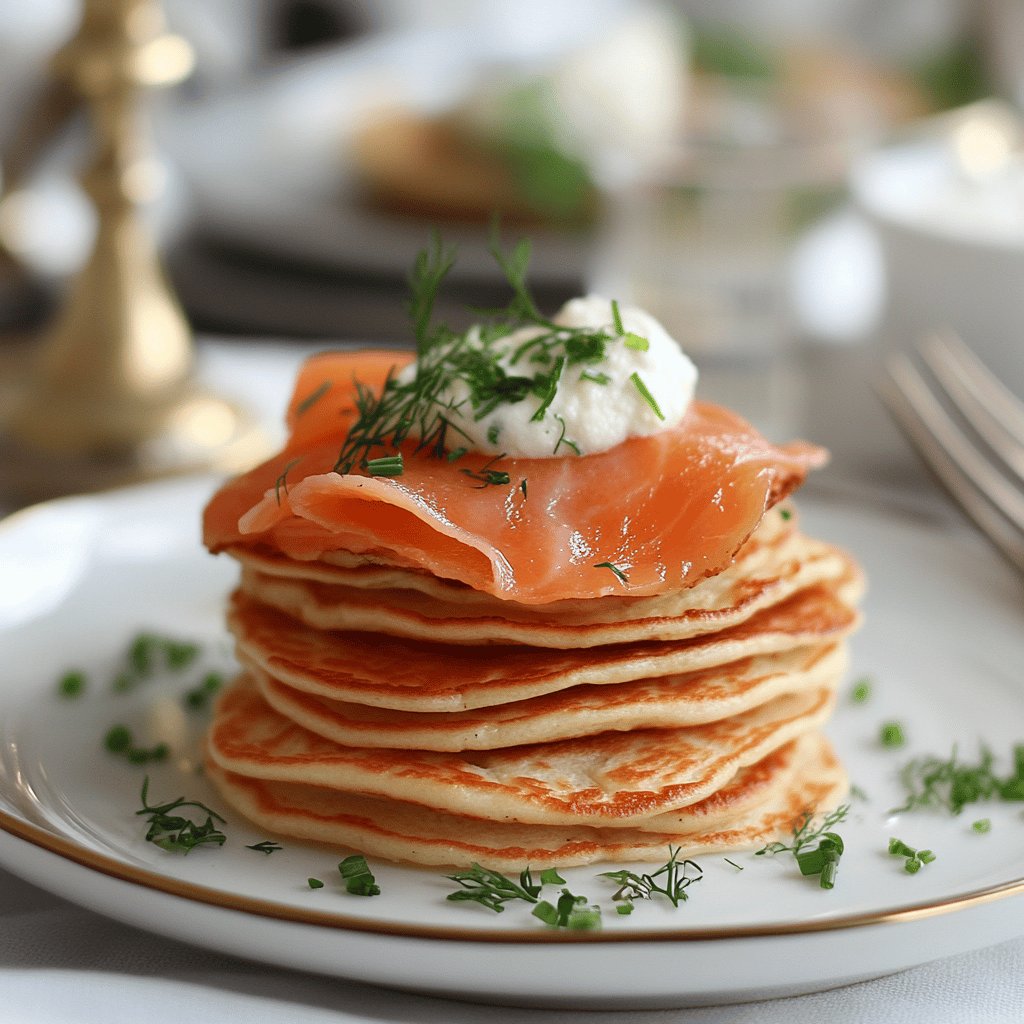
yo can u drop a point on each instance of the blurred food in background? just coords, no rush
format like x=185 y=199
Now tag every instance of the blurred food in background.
x=319 y=140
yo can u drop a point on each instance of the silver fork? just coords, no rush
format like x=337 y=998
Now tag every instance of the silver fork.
x=982 y=466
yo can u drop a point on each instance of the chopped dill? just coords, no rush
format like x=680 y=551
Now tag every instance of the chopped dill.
x=493 y=890
x=620 y=575
x=199 y=696
x=562 y=439
x=951 y=784
x=148 y=652
x=670 y=880
x=487 y=476
x=418 y=407
x=118 y=740
x=178 y=833
x=281 y=483
x=267 y=846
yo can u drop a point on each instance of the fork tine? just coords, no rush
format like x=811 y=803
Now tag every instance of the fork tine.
x=994 y=505
x=993 y=411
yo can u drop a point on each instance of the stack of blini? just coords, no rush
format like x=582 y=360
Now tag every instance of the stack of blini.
x=387 y=710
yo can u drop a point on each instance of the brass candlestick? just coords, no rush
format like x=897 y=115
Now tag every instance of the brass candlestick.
x=111 y=396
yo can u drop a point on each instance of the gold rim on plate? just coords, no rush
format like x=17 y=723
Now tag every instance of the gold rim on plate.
x=107 y=865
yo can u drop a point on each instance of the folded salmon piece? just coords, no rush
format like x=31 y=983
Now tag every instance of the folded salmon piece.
x=666 y=510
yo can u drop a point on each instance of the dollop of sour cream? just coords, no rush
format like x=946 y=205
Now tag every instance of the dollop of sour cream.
x=596 y=405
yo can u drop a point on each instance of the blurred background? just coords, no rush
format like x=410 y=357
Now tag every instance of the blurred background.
x=791 y=186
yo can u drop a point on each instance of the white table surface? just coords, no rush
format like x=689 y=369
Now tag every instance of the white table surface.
x=61 y=964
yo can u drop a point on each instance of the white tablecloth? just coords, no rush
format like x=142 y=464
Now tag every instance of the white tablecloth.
x=61 y=964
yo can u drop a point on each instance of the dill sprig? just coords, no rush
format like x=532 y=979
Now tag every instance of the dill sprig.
x=950 y=783
x=178 y=833
x=670 y=881
x=465 y=375
x=493 y=890
x=823 y=860
x=806 y=832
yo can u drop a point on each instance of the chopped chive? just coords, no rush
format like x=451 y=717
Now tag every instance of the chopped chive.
x=831 y=840
x=550 y=876
x=570 y=912
x=982 y=825
x=179 y=654
x=891 y=735
x=646 y=394
x=492 y=433
x=636 y=342
x=140 y=755
x=811 y=862
x=624 y=909
x=456 y=453
x=898 y=848
x=738 y=867
x=312 y=398
x=314 y=883
x=622 y=577
x=71 y=685
x=522 y=486
x=386 y=465
x=140 y=654
x=199 y=696
x=359 y=880
x=546 y=912
x=786 y=514
x=828 y=873
x=118 y=739
x=912 y=866
x=123 y=682
x=861 y=691
x=617 y=318
x=595 y=378
x=925 y=856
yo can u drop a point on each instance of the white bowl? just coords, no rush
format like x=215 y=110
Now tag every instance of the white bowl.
x=953 y=250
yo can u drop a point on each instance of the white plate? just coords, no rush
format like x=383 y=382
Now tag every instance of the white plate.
x=943 y=642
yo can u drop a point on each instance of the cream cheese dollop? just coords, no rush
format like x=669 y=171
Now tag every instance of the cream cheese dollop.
x=596 y=406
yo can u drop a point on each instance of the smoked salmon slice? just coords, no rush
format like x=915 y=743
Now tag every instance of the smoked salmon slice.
x=652 y=515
